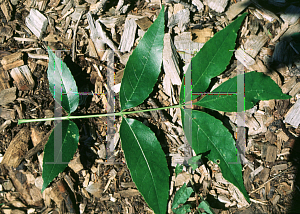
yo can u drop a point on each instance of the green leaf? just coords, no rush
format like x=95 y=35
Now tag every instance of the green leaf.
x=61 y=150
x=178 y=169
x=209 y=134
x=205 y=205
x=181 y=196
x=257 y=87
x=183 y=209
x=212 y=59
x=146 y=162
x=194 y=161
x=143 y=66
x=58 y=71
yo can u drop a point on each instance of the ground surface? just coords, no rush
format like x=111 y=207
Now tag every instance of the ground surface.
x=92 y=185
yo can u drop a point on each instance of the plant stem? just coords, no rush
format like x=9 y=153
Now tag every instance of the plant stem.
x=94 y=115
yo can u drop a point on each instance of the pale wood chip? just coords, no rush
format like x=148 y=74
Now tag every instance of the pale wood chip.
x=182 y=178
x=237 y=8
x=282 y=136
x=170 y=63
x=293 y=115
x=36 y=22
x=244 y=58
x=295 y=89
x=288 y=85
x=128 y=35
x=291 y=14
x=217 y=5
x=254 y=44
x=23 y=78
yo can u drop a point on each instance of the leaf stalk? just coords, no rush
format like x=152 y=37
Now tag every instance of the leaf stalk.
x=68 y=117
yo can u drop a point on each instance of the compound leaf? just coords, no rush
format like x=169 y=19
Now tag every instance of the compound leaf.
x=211 y=60
x=59 y=150
x=143 y=66
x=257 y=87
x=146 y=162
x=208 y=134
x=58 y=72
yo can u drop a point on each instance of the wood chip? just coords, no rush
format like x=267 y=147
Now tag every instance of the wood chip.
x=182 y=178
x=293 y=115
x=129 y=193
x=256 y=171
x=284 y=189
x=186 y=47
x=13 y=65
x=181 y=18
x=144 y=23
x=254 y=44
x=37 y=137
x=267 y=103
x=237 y=8
x=264 y=174
x=7 y=114
x=7 y=9
x=288 y=85
x=170 y=60
x=260 y=67
x=7 y=96
x=202 y=35
x=59 y=193
x=244 y=58
x=271 y=153
x=22 y=187
x=295 y=90
x=75 y=164
x=22 y=78
x=8 y=59
x=128 y=36
x=282 y=136
x=17 y=147
x=95 y=35
x=247 y=179
x=270 y=136
x=266 y=14
x=275 y=169
x=36 y=22
x=217 y=5
x=291 y=14
x=198 y=4
x=223 y=199
x=275 y=199
x=283 y=28
x=291 y=30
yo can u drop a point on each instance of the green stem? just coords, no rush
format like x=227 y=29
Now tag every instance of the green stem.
x=94 y=115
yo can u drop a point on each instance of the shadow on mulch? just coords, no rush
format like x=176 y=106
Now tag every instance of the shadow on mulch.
x=295 y=159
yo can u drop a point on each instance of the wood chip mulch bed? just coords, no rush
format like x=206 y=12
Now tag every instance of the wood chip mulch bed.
x=90 y=184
